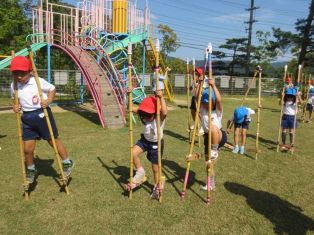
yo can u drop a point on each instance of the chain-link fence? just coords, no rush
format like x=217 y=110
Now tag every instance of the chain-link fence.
x=70 y=85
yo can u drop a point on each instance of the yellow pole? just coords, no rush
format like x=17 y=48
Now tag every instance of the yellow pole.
x=120 y=13
x=158 y=124
x=188 y=94
x=258 y=111
x=296 y=108
x=21 y=144
x=249 y=87
x=63 y=178
x=281 y=108
x=130 y=116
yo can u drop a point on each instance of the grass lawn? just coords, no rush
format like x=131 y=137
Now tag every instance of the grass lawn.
x=273 y=194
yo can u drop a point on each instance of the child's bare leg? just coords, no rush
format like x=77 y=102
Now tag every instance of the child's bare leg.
x=236 y=136
x=60 y=147
x=156 y=173
x=291 y=134
x=29 y=148
x=137 y=151
x=243 y=136
x=283 y=136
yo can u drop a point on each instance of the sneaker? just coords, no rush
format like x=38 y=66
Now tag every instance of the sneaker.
x=235 y=149
x=214 y=155
x=155 y=193
x=242 y=150
x=139 y=177
x=192 y=127
x=201 y=131
x=30 y=175
x=67 y=168
x=212 y=184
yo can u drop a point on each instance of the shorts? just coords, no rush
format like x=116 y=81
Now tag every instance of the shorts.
x=287 y=122
x=309 y=107
x=193 y=103
x=35 y=127
x=223 y=140
x=243 y=125
x=151 y=148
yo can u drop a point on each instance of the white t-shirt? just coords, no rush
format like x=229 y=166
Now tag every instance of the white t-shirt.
x=310 y=99
x=28 y=93
x=216 y=118
x=150 y=130
x=290 y=108
x=248 y=116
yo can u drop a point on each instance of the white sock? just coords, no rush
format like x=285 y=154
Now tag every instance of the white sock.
x=140 y=170
x=66 y=161
x=31 y=167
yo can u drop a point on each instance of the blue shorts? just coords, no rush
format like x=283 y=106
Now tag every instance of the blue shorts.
x=309 y=107
x=243 y=125
x=151 y=148
x=35 y=127
x=287 y=122
x=223 y=140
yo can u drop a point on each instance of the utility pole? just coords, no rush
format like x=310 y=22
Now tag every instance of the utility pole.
x=249 y=43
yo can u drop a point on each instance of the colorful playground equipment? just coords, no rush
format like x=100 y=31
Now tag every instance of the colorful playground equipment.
x=95 y=35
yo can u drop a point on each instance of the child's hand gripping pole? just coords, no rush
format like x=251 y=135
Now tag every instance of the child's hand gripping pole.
x=210 y=164
x=258 y=110
x=160 y=177
x=296 y=108
x=281 y=106
x=21 y=144
x=191 y=146
x=63 y=178
x=130 y=115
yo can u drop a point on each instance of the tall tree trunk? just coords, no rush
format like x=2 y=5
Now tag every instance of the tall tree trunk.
x=306 y=35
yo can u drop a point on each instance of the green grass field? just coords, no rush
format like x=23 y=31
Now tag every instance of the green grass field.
x=273 y=194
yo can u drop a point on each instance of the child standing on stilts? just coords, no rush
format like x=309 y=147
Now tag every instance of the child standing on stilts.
x=148 y=141
x=218 y=135
x=33 y=122
x=310 y=101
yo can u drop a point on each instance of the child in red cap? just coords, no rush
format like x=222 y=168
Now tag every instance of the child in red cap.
x=33 y=122
x=148 y=142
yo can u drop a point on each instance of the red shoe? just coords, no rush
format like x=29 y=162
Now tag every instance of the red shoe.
x=283 y=147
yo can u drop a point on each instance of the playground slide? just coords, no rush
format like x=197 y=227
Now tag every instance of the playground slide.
x=35 y=47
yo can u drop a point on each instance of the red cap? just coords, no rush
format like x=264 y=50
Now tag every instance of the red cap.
x=199 y=70
x=20 y=63
x=148 y=105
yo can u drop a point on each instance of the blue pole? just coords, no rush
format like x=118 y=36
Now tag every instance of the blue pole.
x=49 y=63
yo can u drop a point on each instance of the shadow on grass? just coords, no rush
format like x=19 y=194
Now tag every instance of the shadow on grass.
x=121 y=175
x=182 y=106
x=272 y=109
x=269 y=143
x=176 y=135
x=3 y=136
x=286 y=217
x=45 y=168
x=174 y=172
x=86 y=113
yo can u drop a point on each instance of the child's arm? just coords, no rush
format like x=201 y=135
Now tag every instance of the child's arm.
x=163 y=105
x=49 y=100
x=211 y=82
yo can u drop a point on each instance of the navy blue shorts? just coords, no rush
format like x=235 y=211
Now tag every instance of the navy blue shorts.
x=223 y=140
x=309 y=107
x=287 y=122
x=151 y=148
x=35 y=126
x=193 y=103
x=243 y=125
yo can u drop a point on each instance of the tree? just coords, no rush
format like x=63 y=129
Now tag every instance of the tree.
x=170 y=41
x=238 y=47
x=15 y=26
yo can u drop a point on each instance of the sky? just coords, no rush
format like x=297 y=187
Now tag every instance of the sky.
x=198 y=22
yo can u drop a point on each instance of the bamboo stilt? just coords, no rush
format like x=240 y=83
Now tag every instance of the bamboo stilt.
x=130 y=100
x=63 y=178
x=281 y=108
x=21 y=143
x=258 y=112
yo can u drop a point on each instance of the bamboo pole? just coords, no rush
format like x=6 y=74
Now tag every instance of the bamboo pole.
x=258 y=111
x=63 y=178
x=197 y=127
x=210 y=165
x=158 y=123
x=188 y=94
x=130 y=116
x=191 y=146
x=21 y=143
x=281 y=108
x=307 y=89
x=296 y=108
